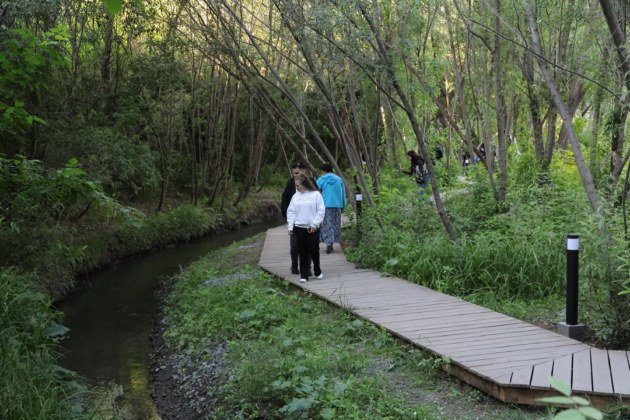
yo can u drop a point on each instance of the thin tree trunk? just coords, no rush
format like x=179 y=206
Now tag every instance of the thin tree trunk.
x=499 y=107
x=587 y=178
x=383 y=52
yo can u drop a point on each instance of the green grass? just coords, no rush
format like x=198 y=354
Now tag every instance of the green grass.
x=293 y=356
x=32 y=385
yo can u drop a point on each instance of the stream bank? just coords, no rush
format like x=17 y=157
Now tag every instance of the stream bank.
x=111 y=315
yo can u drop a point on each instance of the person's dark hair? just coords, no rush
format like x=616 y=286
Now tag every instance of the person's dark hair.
x=298 y=165
x=306 y=182
x=415 y=157
x=326 y=167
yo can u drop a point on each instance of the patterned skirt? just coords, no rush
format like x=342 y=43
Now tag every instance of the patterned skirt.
x=331 y=227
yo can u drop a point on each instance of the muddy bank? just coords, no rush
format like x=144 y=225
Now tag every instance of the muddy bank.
x=183 y=387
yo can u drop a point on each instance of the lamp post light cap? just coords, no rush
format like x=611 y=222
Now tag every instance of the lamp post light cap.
x=573 y=242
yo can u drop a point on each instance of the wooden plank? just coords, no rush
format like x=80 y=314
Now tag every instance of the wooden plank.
x=463 y=325
x=428 y=315
x=522 y=377
x=515 y=347
x=490 y=359
x=582 y=380
x=562 y=368
x=540 y=377
x=620 y=370
x=602 y=381
x=491 y=331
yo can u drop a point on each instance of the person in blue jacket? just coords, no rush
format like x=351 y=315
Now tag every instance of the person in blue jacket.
x=334 y=193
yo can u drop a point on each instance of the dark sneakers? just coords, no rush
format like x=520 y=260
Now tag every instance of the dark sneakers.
x=329 y=248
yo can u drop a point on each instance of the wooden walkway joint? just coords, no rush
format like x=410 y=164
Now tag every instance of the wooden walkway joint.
x=502 y=356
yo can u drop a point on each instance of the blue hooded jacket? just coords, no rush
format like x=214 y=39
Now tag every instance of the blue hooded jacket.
x=333 y=190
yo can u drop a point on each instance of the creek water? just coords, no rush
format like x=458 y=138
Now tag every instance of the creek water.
x=111 y=317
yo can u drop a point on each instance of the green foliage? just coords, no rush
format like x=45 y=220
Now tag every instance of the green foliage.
x=124 y=167
x=605 y=272
x=25 y=64
x=507 y=254
x=36 y=203
x=581 y=408
x=33 y=386
x=289 y=355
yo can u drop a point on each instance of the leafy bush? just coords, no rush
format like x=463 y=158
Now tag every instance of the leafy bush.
x=123 y=166
x=605 y=273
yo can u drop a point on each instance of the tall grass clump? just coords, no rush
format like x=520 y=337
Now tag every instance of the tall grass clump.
x=33 y=385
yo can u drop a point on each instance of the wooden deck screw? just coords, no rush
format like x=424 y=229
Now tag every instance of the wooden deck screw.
x=571 y=328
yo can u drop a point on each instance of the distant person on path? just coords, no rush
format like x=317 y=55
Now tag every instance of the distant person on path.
x=465 y=161
x=418 y=169
x=305 y=215
x=297 y=168
x=334 y=193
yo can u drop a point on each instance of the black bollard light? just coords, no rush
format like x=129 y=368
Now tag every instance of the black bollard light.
x=571 y=328
x=573 y=269
x=359 y=200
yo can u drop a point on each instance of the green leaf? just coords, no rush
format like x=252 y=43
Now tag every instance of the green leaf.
x=591 y=413
x=298 y=404
x=246 y=314
x=571 y=414
x=287 y=342
x=557 y=400
x=339 y=388
x=560 y=386
x=114 y=6
x=328 y=413
x=55 y=331
x=580 y=401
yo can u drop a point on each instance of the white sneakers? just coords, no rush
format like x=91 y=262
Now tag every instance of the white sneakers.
x=321 y=276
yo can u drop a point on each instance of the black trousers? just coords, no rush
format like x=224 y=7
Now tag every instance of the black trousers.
x=308 y=246
x=295 y=257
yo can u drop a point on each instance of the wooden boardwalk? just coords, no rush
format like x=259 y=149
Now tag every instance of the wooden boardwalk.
x=504 y=357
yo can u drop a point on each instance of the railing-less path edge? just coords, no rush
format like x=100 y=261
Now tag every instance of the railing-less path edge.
x=500 y=355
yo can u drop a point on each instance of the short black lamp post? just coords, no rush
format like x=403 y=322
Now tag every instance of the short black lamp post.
x=571 y=328
x=359 y=200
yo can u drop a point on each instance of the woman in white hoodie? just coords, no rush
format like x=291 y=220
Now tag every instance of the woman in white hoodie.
x=304 y=218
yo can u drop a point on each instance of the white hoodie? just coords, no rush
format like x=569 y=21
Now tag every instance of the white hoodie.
x=306 y=210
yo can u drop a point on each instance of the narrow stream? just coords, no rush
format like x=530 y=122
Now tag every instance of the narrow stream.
x=110 y=318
